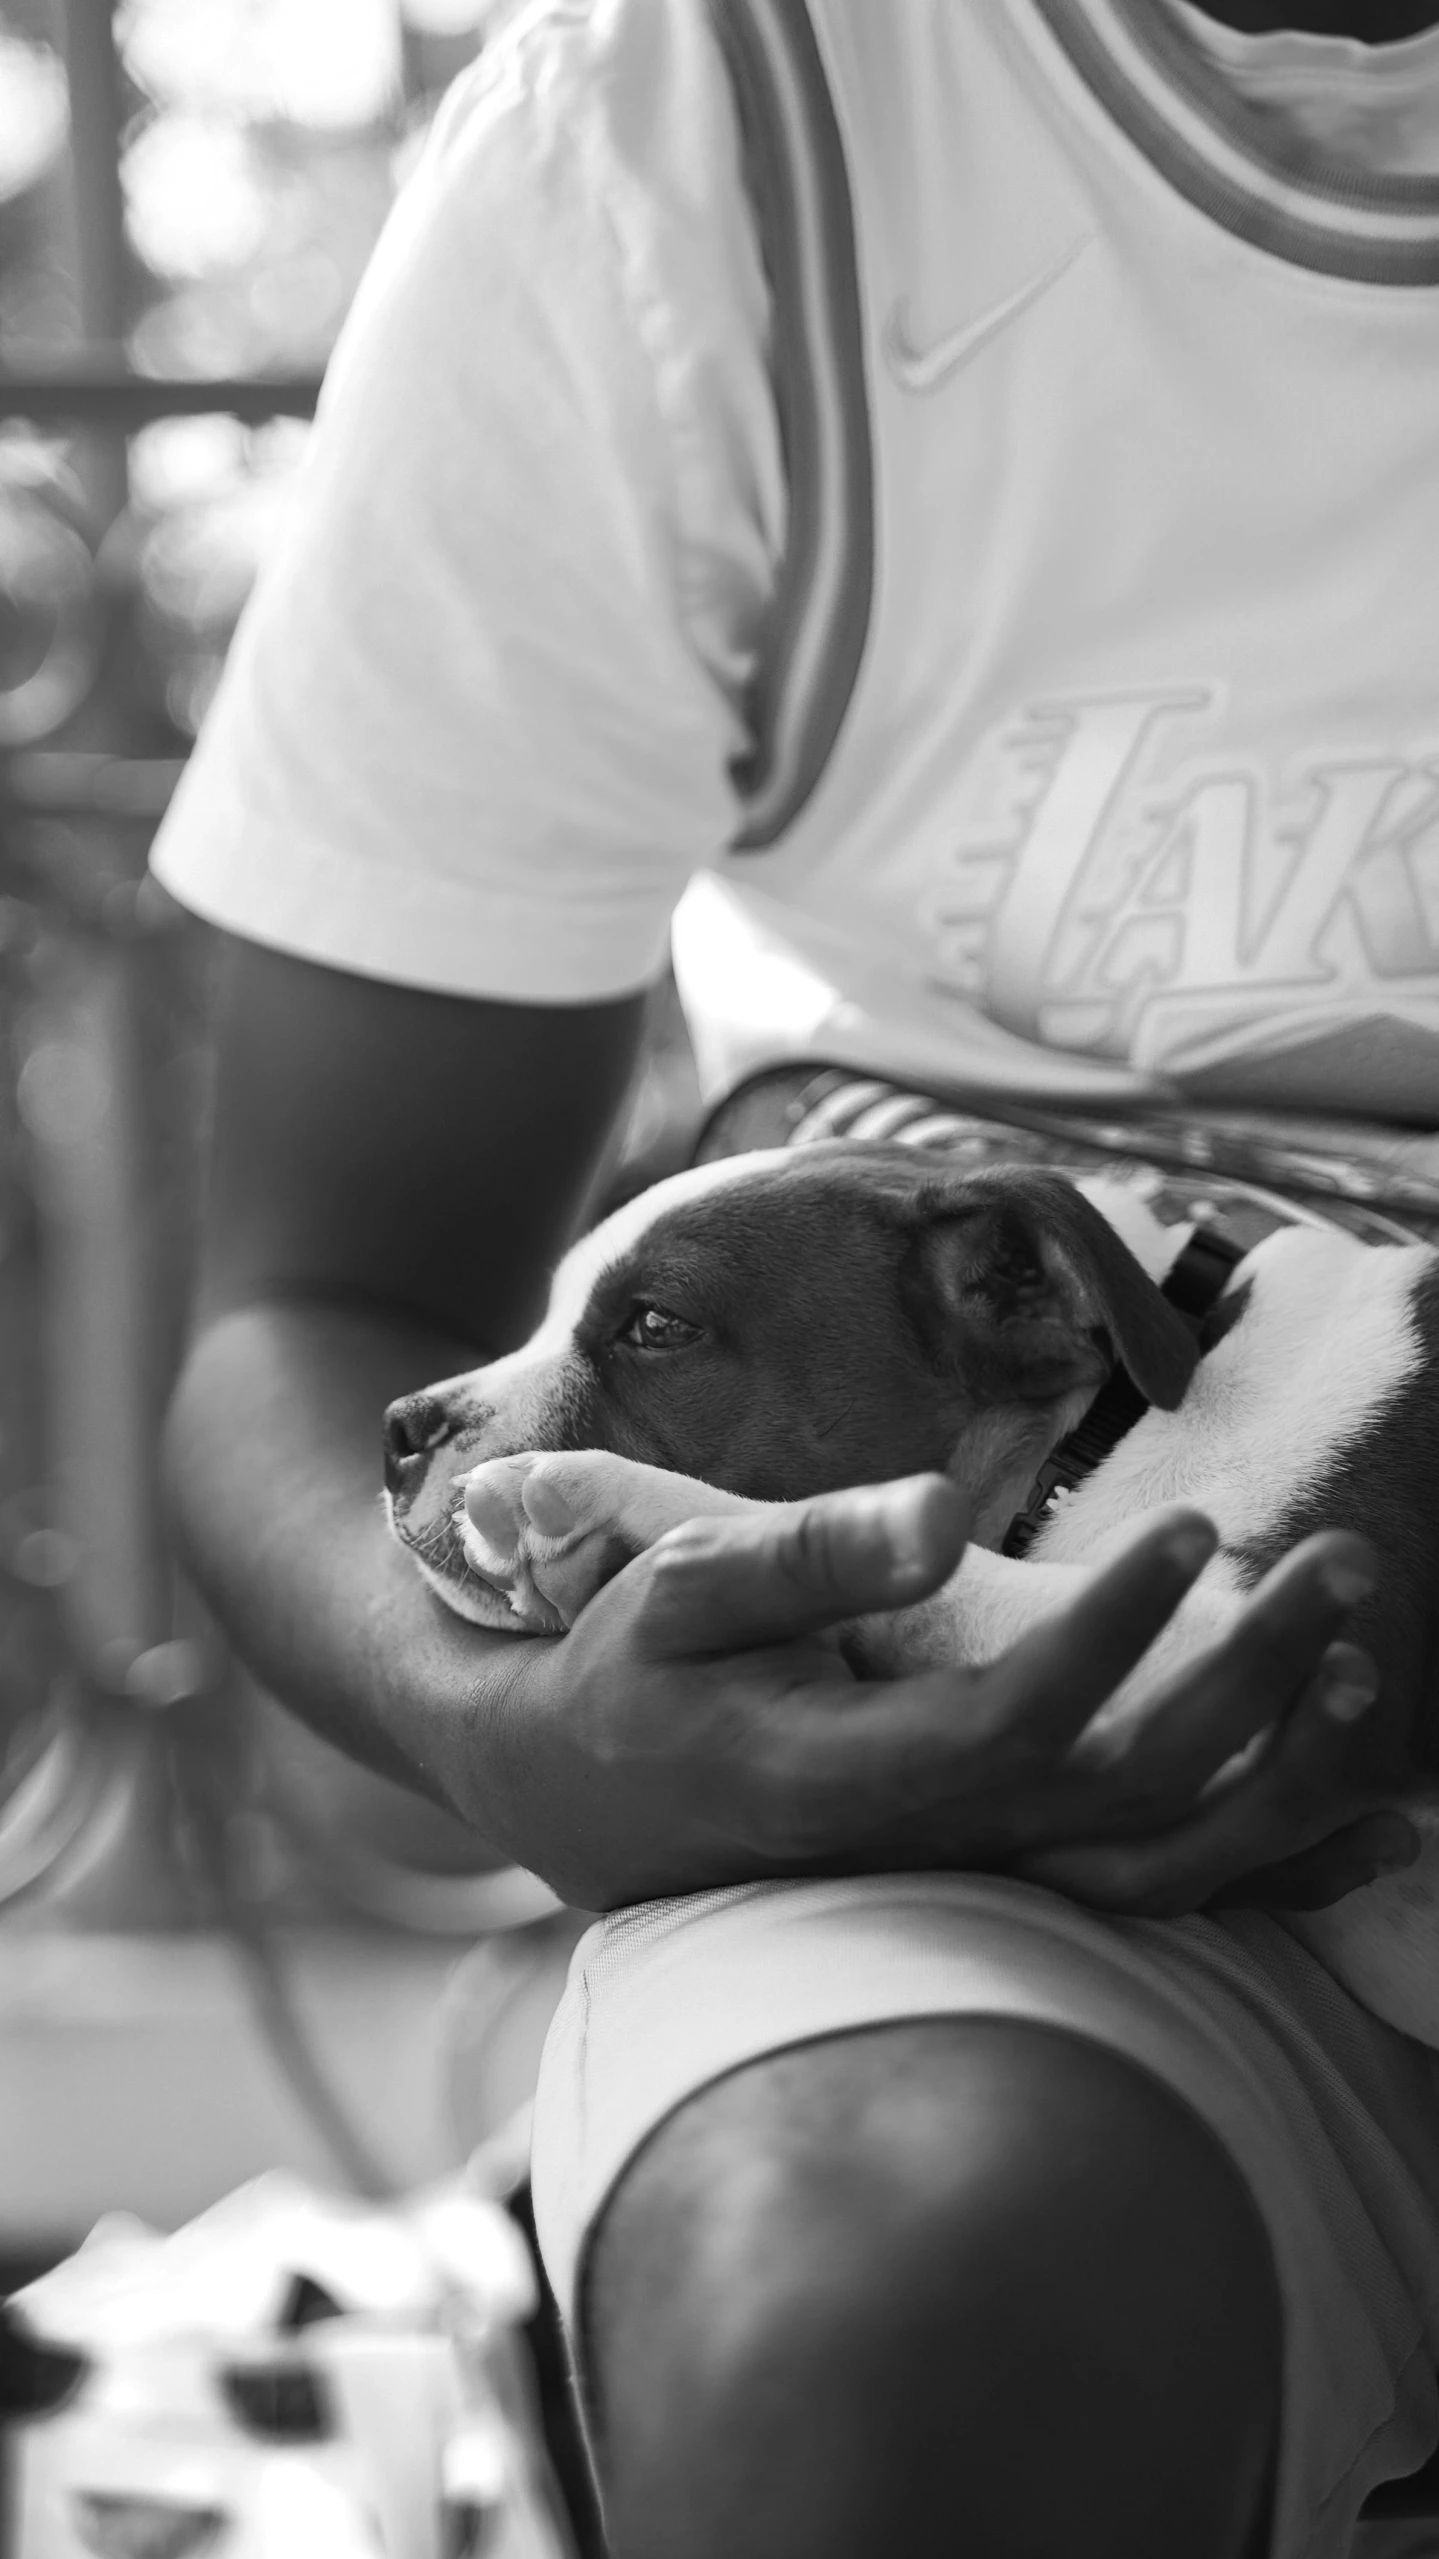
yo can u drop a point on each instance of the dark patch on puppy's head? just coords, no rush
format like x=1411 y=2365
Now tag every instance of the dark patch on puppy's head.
x=1025 y=1284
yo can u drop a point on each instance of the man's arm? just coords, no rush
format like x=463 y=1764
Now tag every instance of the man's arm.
x=392 y=1174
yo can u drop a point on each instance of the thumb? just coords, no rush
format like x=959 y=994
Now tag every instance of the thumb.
x=792 y=1568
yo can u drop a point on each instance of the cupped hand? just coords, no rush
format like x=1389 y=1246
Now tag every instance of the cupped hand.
x=701 y=1726
x=1295 y=1824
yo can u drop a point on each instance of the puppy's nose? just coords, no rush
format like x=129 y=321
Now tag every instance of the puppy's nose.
x=413 y=1426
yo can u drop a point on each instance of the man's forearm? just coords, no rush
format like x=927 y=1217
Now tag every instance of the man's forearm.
x=273 y=1455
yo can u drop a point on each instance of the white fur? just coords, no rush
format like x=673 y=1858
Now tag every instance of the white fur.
x=483 y=1607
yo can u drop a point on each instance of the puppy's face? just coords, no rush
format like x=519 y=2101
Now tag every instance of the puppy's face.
x=779 y=1325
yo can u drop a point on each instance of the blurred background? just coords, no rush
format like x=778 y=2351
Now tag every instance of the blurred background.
x=221 y=1947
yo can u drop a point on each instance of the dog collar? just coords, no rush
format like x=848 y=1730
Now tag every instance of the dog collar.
x=1198 y=1277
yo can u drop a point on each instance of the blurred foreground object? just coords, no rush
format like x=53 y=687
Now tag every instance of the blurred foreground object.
x=289 y=2376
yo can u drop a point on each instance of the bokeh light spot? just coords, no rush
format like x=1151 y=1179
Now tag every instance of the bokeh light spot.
x=34 y=112
x=195 y=195
x=331 y=63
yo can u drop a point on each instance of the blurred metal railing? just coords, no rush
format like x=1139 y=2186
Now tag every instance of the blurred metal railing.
x=100 y=391
x=86 y=960
x=92 y=958
x=76 y=820
x=81 y=1075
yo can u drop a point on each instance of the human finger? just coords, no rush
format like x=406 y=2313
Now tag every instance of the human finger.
x=1298 y=1794
x=572 y=1492
x=767 y=1576
x=1158 y=1757
x=969 y=1754
x=1058 y=1676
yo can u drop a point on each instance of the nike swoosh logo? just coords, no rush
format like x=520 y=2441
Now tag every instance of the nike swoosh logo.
x=918 y=368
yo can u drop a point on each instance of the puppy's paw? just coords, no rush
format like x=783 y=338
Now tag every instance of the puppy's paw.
x=550 y=1528
x=504 y=1546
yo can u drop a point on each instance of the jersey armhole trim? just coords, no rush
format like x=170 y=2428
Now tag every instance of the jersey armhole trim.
x=814 y=637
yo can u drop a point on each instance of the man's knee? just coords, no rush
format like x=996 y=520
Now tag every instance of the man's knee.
x=954 y=2271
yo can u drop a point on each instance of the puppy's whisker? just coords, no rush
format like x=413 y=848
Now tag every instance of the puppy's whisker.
x=437 y=1545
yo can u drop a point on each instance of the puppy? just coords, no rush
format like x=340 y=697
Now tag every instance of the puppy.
x=782 y=1324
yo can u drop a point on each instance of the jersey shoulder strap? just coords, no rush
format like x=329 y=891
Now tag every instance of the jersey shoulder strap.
x=798 y=182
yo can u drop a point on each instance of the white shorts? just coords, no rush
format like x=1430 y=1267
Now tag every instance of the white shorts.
x=1332 y=2119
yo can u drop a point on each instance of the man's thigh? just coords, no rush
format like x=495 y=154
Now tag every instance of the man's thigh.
x=955 y=2282
x=683 y=2084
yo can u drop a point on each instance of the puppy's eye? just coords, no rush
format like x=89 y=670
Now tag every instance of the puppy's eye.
x=654 y=1328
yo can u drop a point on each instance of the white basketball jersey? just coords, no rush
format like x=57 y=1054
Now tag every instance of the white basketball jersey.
x=1103 y=716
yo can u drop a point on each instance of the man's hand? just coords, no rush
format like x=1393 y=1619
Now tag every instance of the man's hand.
x=700 y=1726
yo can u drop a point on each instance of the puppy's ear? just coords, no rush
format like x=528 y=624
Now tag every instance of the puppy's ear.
x=1023 y=1283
